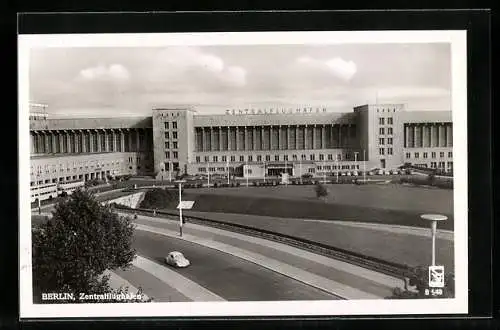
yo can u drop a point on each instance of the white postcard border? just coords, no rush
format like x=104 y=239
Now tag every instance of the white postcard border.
x=458 y=305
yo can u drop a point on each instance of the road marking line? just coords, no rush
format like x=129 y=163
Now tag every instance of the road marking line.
x=182 y=284
x=365 y=273
x=298 y=274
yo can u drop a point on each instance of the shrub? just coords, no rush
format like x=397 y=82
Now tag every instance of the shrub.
x=320 y=190
x=418 y=278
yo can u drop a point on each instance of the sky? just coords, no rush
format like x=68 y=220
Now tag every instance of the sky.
x=131 y=81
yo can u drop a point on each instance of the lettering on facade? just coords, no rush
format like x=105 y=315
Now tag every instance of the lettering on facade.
x=252 y=111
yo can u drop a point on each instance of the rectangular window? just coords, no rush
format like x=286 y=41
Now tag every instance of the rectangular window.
x=389 y=121
x=250 y=158
x=389 y=140
x=276 y=157
x=167 y=145
x=285 y=157
x=167 y=135
x=425 y=154
x=224 y=158
x=381 y=151
x=381 y=121
x=311 y=157
x=303 y=157
x=176 y=154
x=330 y=157
x=381 y=131
x=215 y=159
x=233 y=158
x=259 y=158
x=312 y=170
x=206 y=159
x=433 y=154
x=389 y=130
x=242 y=158
x=202 y=169
x=174 y=125
x=294 y=157
x=268 y=158
x=197 y=159
x=321 y=157
x=389 y=151
x=174 y=135
x=167 y=154
x=450 y=154
x=166 y=125
x=441 y=154
x=381 y=141
x=416 y=155
x=175 y=145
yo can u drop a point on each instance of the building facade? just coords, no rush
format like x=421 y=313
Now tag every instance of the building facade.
x=245 y=142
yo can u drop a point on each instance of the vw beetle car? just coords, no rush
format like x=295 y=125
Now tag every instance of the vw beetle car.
x=176 y=259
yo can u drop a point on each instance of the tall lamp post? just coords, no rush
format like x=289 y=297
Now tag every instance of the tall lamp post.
x=227 y=170
x=433 y=218
x=208 y=174
x=38 y=174
x=337 y=166
x=364 y=165
x=180 y=182
x=356 y=161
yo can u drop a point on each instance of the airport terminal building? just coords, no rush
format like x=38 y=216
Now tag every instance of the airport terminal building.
x=244 y=142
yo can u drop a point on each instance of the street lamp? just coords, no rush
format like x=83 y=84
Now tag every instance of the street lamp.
x=337 y=166
x=208 y=174
x=364 y=165
x=356 y=160
x=38 y=174
x=264 y=172
x=433 y=218
x=227 y=170
x=180 y=182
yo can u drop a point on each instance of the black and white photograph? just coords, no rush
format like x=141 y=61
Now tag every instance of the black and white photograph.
x=243 y=174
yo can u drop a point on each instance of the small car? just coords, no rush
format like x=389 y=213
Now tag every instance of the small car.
x=176 y=259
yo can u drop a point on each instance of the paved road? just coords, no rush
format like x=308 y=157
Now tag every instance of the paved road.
x=227 y=276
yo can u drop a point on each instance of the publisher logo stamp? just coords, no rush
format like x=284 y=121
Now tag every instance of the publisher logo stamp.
x=436 y=276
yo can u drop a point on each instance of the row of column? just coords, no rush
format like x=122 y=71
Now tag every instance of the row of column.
x=428 y=135
x=88 y=141
x=235 y=138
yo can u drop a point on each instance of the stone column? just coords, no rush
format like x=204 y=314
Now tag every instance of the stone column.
x=296 y=137
x=122 y=140
x=221 y=146
x=61 y=141
x=213 y=147
x=245 y=138
x=138 y=140
x=442 y=137
x=254 y=138
x=32 y=143
x=68 y=142
x=339 y=143
x=262 y=138
x=313 y=137
x=237 y=134
x=323 y=137
x=288 y=138
x=449 y=135
x=130 y=144
x=271 y=137
x=229 y=144
x=305 y=137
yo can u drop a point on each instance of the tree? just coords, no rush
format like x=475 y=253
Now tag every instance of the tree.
x=320 y=190
x=83 y=239
x=418 y=278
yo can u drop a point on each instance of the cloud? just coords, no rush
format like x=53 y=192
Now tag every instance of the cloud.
x=337 y=66
x=195 y=66
x=114 y=72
